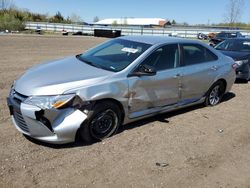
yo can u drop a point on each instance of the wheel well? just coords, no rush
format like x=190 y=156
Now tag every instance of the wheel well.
x=117 y=103
x=77 y=136
x=224 y=83
x=220 y=80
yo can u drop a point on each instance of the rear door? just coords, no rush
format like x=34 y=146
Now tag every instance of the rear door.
x=199 y=69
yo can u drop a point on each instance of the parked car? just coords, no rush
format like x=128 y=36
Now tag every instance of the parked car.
x=115 y=83
x=239 y=50
x=78 y=33
x=223 y=36
x=65 y=32
x=202 y=36
x=38 y=30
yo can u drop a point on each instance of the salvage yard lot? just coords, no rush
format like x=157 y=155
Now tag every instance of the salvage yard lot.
x=202 y=146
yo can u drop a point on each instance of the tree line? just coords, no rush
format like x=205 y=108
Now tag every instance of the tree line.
x=13 y=18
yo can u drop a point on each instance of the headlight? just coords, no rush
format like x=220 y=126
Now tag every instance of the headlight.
x=241 y=62
x=47 y=102
x=12 y=90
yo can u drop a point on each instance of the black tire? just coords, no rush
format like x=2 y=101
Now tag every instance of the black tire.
x=245 y=81
x=248 y=78
x=215 y=94
x=248 y=74
x=104 y=121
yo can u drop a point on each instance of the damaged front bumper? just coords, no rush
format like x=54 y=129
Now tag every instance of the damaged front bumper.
x=57 y=126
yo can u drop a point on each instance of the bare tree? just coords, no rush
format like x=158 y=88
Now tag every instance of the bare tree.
x=125 y=21
x=96 y=19
x=75 y=18
x=5 y=4
x=234 y=11
x=114 y=23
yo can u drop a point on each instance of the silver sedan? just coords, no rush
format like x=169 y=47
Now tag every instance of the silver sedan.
x=115 y=83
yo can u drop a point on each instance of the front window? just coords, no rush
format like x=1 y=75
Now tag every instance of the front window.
x=166 y=57
x=114 y=55
x=234 y=45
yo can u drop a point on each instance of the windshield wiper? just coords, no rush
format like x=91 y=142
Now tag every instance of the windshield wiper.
x=86 y=61
x=91 y=63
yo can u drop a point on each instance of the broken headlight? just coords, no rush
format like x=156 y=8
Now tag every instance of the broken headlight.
x=48 y=102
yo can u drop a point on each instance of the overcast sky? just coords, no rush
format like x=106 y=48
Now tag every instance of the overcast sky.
x=190 y=11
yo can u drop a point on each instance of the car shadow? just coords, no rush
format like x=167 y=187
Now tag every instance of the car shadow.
x=240 y=81
x=77 y=143
x=228 y=96
x=165 y=116
x=160 y=118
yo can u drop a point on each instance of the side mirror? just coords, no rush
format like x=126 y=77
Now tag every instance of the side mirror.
x=144 y=70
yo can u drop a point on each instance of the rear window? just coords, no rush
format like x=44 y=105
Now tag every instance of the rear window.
x=196 y=54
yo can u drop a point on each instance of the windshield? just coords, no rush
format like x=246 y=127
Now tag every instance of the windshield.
x=234 y=45
x=114 y=55
x=221 y=35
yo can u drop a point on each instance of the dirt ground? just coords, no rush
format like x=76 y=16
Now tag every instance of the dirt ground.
x=202 y=147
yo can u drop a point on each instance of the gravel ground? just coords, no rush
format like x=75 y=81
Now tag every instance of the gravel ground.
x=196 y=147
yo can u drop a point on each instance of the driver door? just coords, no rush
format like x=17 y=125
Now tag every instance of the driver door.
x=151 y=92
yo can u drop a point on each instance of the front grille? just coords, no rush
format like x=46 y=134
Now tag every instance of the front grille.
x=20 y=121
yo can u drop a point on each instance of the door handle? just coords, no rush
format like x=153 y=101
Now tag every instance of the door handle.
x=214 y=68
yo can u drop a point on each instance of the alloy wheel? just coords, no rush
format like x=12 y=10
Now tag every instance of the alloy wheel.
x=214 y=97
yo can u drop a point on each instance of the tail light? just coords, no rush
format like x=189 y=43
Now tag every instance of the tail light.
x=234 y=66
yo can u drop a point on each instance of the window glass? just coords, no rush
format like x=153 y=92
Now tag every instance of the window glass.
x=163 y=58
x=227 y=35
x=232 y=35
x=210 y=56
x=221 y=35
x=234 y=45
x=195 y=54
x=114 y=55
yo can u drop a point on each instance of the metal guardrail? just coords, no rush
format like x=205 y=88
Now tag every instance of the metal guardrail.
x=89 y=30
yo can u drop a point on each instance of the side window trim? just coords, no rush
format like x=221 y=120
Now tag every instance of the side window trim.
x=182 y=62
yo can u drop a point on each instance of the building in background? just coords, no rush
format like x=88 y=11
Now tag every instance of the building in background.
x=146 y=22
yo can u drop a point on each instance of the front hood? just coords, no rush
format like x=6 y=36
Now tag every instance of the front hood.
x=236 y=55
x=59 y=76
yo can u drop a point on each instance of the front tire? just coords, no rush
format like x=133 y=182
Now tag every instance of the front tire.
x=215 y=94
x=103 y=122
x=248 y=74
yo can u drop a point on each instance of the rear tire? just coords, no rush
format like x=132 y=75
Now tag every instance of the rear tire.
x=104 y=121
x=215 y=94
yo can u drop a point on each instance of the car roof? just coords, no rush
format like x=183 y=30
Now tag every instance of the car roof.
x=157 y=39
x=229 y=32
x=239 y=39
